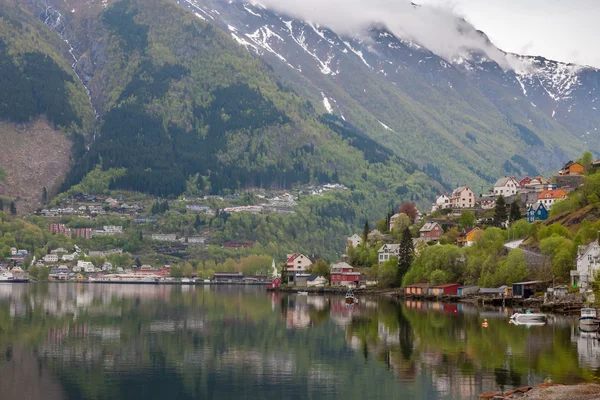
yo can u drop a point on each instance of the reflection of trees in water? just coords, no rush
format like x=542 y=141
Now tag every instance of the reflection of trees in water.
x=405 y=334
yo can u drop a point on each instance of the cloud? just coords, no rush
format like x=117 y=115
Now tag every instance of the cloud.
x=435 y=28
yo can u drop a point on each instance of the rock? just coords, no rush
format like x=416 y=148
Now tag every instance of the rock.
x=490 y=395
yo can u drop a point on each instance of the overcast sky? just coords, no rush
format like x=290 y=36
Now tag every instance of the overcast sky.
x=564 y=30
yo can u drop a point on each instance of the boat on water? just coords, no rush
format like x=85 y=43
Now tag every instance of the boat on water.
x=528 y=323
x=528 y=317
x=350 y=296
x=302 y=293
x=588 y=317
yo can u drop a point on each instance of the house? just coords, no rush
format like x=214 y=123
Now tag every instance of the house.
x=596 y=164
x=164 y=237
x=343 y=274
x=297 y=264
x=572 y=168
x=549 y=197
x=506 y=186
x=462 y=197
x=51 y=258
x=393 y=219
x=469 y=236
x=107 y=266
x=487 y=202
x=69 y=257
x=85 y=266
x=447 y=289
x=354 y=240
x=539 y=213
x=431 y=231
x=60 y=250
x=195 y=240
x=148 y=270
x=60 y=274
x=441 y=202
x=59 y=229
x=468 y=289
x=416 y=288
x=238 y=245
x=588 y=263
x=388 y=250
x=525 y=181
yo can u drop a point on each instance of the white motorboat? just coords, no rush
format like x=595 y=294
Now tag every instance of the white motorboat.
x=588 y=317
x=528 y=317
x=350 y=297
x=6 y=276
x=527 y=323
x=303 y=293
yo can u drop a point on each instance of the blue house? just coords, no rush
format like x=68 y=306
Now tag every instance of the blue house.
x=537 y=214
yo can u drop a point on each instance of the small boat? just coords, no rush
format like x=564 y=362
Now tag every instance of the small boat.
x=350 y=296
x=527 y=323
x=303 y=293
x=588 y=317
x=527 y=317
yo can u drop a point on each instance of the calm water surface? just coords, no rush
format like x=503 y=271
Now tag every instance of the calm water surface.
x=86 y=341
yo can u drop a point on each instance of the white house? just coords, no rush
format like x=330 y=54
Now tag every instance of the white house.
x=354 y=240
x=506 y=186
x=588 y=263
x=107 y=266
x=164 y=237
x=112 y=229
x=51 y=258
x=69 y=257
x=441 y=202
x=59 y=250
x=388 y=250
x=85 y=266
x=298 y=263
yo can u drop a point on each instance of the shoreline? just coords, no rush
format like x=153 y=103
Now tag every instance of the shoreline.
x=548 y=391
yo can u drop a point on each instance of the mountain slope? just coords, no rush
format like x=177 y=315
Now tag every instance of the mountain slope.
x=468 y=116
x=45 y=115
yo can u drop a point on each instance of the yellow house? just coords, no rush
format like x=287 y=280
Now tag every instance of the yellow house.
x=469 y=236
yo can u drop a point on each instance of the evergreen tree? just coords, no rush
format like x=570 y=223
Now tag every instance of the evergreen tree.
x=1 y=205
x=44 y=196
x=141 y=236
x=138 y=263
x=515 y=212
x=197 y=223
x=284 y=274
x=405 y=255
x=500 y=215
x=366 y=231
x=13 y=208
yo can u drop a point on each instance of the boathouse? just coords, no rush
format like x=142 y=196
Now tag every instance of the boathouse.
x=468 y=289
x=446 y=289
x=527 y=289
x=416 y=288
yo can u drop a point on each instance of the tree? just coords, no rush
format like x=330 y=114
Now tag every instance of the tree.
x=405 y=255
x=44 y=196
x=138 y=263
x=197 y=223
x=366 y=231
x=141 y=236
x=467 y=219
x=515 y=212
x=500 y=215
x=322 y=268
x=13 y=208
x=187 y=270
x=43 y=273
x=401 y=222
x=1 y=205
x=586 y=160
x=176 y=271
x=388 y=271
x=409 y=209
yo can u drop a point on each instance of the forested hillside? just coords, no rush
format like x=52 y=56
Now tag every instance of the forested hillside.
x=42 y=103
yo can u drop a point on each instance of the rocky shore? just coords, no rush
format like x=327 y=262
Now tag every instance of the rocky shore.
x=546 y=391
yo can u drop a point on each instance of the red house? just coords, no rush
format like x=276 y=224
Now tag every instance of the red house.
x=148 y=270
x=343 y=274
x=431 y=231
x=446 y=289
x=525 y=181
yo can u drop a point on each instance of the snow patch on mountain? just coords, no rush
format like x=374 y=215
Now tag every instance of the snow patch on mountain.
x=359 y=53
x=326 y=104
x=387 y=128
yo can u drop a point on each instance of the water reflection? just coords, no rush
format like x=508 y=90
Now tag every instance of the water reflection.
x=90 y=341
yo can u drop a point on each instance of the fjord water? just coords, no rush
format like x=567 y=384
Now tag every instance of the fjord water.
x=87 y=341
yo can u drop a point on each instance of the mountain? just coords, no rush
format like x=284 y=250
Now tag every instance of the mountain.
x=45 y=114
x=467 y=115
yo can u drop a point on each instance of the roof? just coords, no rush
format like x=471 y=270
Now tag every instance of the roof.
x=445 y=285
x=492 y=290
x=312 y=277
x=504 y=181
x=341 y=265
x=552 y=194
x=460 y=189
x=468 y=286
x=390 y=247
x=227 y=273
x=527 y=283
x=596 y=163
x=428 y=226
x=418 y=285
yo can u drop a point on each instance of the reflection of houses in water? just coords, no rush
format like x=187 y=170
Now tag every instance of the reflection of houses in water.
x=588 y=347
x=386 y=335
x=297 y=318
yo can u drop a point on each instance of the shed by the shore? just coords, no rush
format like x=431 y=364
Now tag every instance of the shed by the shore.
x=493 y=292
x=417 y=288
x=446 y=289
x=527 y=289
x=468 y=289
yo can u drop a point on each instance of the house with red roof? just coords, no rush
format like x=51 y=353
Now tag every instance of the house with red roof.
x=550 y=197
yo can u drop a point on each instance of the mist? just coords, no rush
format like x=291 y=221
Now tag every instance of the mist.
x=437 y=29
